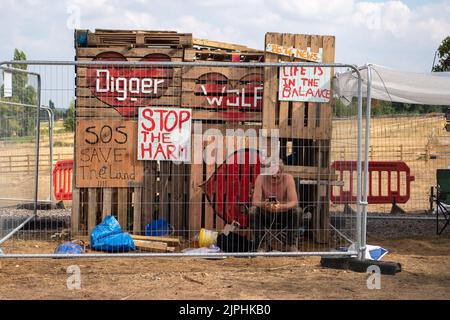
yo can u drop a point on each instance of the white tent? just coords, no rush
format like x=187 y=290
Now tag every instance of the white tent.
x=396 y=86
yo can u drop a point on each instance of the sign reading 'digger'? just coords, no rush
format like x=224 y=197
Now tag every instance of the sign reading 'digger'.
x=164 y=134
x=126 y=88
x=106 y=154
x=308 y=84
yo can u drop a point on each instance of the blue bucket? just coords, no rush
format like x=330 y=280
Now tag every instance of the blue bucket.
x=157 y=228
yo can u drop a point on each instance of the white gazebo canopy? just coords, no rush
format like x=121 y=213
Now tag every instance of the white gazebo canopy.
x=396 y=86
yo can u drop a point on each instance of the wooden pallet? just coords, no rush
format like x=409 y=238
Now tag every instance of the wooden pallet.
x=91 y=205
x=135 y=38
x=207 y=50
x=166 y=194
x=296 y=119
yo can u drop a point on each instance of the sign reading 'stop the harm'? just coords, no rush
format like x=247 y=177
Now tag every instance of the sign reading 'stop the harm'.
x=164 y=134
x=307 y=84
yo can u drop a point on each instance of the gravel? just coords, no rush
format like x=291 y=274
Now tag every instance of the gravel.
x=386 y=228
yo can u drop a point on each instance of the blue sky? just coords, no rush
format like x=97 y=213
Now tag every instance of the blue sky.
x=400 y=34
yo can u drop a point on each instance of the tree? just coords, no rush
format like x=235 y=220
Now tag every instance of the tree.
x=19 y=119
x=51 y=104
x=444 y=56
x=69 y=121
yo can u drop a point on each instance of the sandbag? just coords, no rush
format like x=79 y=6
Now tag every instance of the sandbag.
x=108 y=236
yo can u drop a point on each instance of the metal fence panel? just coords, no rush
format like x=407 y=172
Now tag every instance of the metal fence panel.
x=173 y=150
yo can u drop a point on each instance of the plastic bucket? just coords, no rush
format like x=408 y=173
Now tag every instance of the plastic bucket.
x=207 y=237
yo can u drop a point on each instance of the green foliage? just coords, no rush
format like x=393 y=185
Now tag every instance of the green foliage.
x=380 y=108
x=69 y=121
x=18 y=120
x=444 y=56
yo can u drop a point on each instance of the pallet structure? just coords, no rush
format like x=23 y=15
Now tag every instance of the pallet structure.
x=173 y=192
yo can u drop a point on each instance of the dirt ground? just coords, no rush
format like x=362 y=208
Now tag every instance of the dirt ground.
x=425 y=275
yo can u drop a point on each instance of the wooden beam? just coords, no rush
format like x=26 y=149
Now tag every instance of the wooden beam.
x=152 y=246
x=92 y=209
x=75 y=220
x=222 y=45
x=137 y=212
x=168 y=240
x=122 y=205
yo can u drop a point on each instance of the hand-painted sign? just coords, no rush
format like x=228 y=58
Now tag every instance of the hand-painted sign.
x=220 y=92
x=126 y=88
x=309 y=84
x=106 y=154
x=294 y=52
x=164 y=134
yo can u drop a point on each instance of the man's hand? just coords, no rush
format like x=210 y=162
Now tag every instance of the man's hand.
x=273 y=206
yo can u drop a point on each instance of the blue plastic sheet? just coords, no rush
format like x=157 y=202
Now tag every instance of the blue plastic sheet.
x=69 y=248
x=108 y=236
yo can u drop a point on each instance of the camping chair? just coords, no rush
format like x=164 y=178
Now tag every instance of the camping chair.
x=442 y=198
x=274 y=232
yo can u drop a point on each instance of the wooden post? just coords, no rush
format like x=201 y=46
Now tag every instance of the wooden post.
x=75 y=220
x=107 y=202
x=137 y=212
x=92 y=209
x=122 y=202
x=10 y=164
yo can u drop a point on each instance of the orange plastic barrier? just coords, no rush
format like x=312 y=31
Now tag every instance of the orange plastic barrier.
x=389 y=182
x=62 y=179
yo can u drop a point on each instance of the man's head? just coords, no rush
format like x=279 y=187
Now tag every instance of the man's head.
x=272 y=168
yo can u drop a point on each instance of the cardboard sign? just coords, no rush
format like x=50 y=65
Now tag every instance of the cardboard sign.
x=294 y=52
x=308 y=84
x=164 y=134
x=106 y=154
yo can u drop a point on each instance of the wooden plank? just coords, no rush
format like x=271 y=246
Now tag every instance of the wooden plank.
x=152 y=246
x=195 y=199
x=162 y=101
x=298 y=113
x=97 y=113
x=164 y=190
x=178 y=178
x=209 y=212
x=122 y=208
x=222 y=45
x=107 y=202
x=82 y=71
x=149 y=192
x=82 y=92
x=75 y=215
x=92 y=209
x=168 y=240
x=128 y=52
x=270 y=84
x=231 y=73
x=83 y=113
x=137 y=211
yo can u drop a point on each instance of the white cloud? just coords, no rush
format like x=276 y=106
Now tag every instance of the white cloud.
x=393 y=33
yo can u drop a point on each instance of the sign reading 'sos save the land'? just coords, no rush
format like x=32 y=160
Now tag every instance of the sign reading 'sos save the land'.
x=307 y=84
x=106 y=154
x=164 y=134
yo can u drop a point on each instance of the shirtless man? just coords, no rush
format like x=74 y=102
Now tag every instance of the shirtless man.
x=275 y=198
